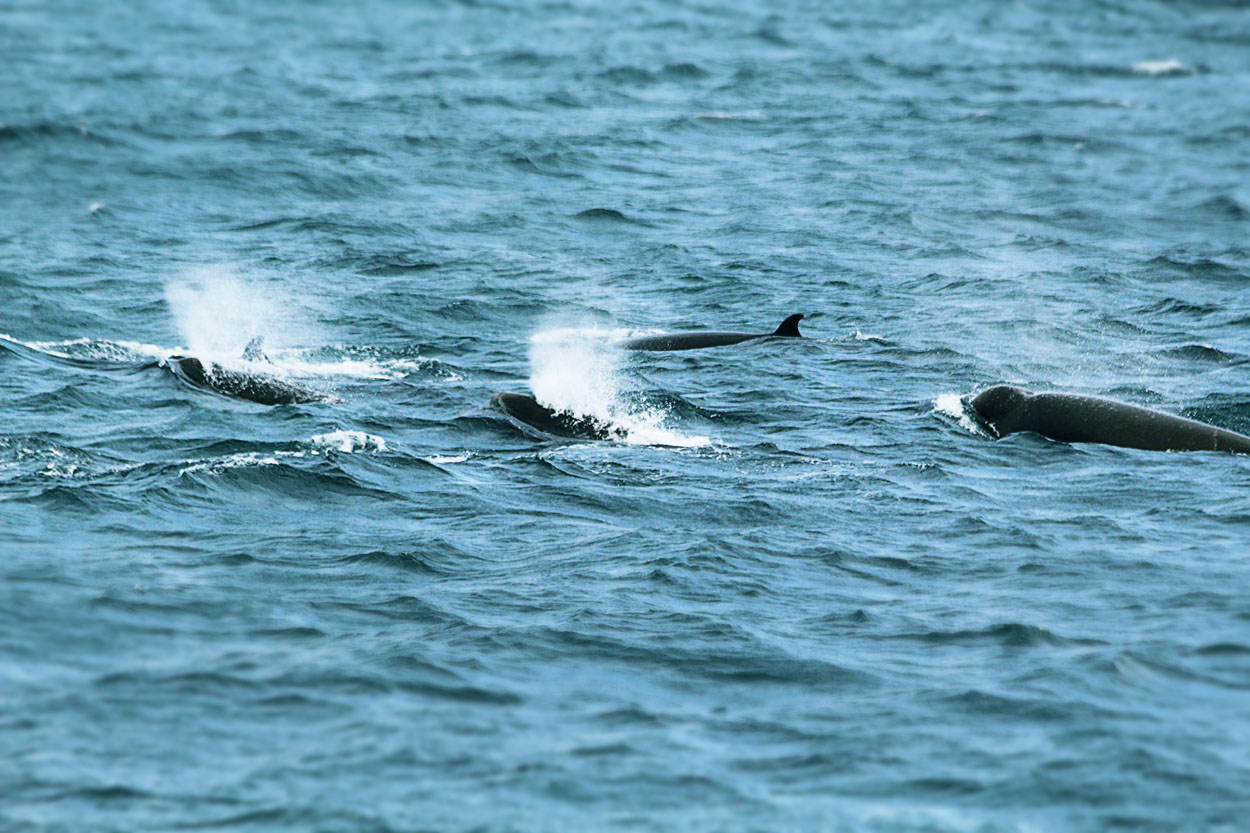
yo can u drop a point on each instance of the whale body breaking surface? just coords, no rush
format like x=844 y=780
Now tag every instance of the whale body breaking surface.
x=699 y=339
x=1077 y=418
x=528 y=410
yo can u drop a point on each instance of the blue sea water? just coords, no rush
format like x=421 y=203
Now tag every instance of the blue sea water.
x=804 y=593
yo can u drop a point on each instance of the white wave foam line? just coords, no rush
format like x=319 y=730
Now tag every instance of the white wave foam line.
x=51 y=468
x=235 y=461
x=48 y=347
x=56 y=462
x=52 y=346
x=576 y=370
x=101 y=348
x=152 y=351
x=717 y=115
x=952 y=405
x=349 y=441
x=345 y=441
x=439 y=460
x=1168 y=67
x=862 y=336
x=60 y=466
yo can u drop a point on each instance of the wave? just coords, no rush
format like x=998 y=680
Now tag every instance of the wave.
x=1009 y=634
x=349 y=442
x=684 y=72
x=36 y=455
x=87 y=353
x=39 y=132
x=319 y=445
x=1203 y=269
x=36 y=460
x=409 y=562
x=1201 y=353
x=1170 y=66
x=1227 y=206
x=629 y=76
x=609 y=216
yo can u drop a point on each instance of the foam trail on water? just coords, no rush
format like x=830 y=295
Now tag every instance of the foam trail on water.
x=349 y=441
x=1170 y=66
x=92 y=348
x=578 y=370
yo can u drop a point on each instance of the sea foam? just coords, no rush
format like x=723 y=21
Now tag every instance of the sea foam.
x=579 y=371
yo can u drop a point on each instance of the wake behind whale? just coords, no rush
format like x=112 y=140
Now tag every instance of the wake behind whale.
x=200 y=374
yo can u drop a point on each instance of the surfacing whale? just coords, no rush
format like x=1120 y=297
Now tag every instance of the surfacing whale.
x=204 y=375
x=1076 y=418
x=254 y=387
x=700 y=338
x=525 y=408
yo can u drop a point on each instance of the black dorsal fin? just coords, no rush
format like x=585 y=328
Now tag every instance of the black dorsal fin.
x=790 y=327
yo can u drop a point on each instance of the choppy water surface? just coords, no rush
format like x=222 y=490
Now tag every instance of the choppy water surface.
x=803 y=594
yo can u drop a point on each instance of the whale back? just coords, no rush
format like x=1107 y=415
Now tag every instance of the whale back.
x=698 y=339
x=259 y=388
x=1090 y=419
x=1077 y=418
x=686 y=341
x=528 y=410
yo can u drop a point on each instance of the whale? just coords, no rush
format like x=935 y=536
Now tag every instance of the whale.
x=1077 y=418
x=254 y=387
x=527 y=410
x=189 y=370
x=699 y=339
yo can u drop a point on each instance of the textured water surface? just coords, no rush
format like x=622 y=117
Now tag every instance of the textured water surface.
x=803 y=593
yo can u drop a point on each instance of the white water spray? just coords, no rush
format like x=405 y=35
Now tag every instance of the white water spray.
x=952 y=405
x=579 y=371
x=218 y=313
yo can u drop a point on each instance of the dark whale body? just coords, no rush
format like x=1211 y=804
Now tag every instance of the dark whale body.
x=253 y=387
x=698 y=339
x=1075 y=418
x=525 y=408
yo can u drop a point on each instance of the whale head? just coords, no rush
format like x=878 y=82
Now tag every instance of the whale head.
x=189 y=367
x=1000 y=407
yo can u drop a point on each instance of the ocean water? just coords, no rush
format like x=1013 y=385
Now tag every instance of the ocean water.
x=803 y=593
